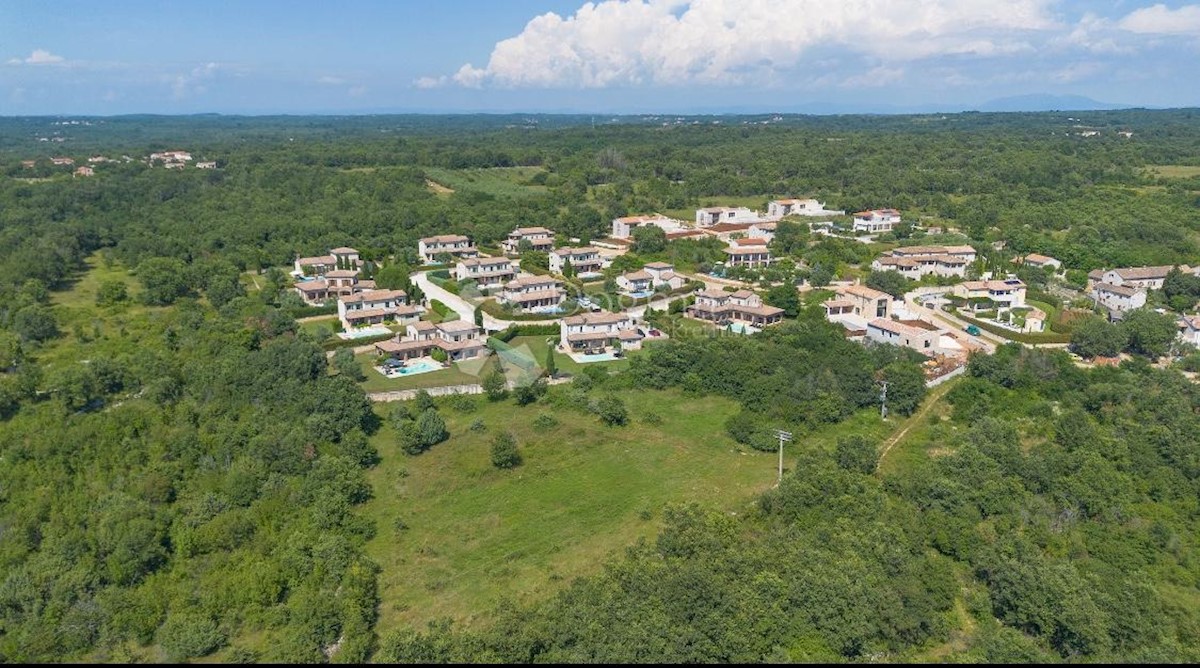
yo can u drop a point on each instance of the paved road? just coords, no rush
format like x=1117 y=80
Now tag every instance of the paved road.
x=986 y=339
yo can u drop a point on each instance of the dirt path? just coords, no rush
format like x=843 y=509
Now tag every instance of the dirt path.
x=931 y=400
x=438 y=188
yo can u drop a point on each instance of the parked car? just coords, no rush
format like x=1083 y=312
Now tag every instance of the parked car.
x=972 y=330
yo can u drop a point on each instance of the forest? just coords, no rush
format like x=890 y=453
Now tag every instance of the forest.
x=185 y=471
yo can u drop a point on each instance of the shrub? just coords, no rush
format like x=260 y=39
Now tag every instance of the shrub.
x=505 y=454
x=611 y=410
x=545 y=421
x=189 y=634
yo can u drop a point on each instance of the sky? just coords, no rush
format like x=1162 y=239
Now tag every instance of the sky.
x=607 y=56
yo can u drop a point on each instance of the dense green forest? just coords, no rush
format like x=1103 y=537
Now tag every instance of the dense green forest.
x=183 y=470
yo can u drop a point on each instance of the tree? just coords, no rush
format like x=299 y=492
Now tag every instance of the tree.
x=906 y=387
x=345 y=364
x=551 y=367
x=1149 y=333
x=532 y=259
x=494 y=384
x=443 y=258
x=189 y=634
x=891 y=282
x=791 y=238
x=479 y=316
x=111 y=292
x=223 y=287
x=432 y=428
x=856 y=453
x=820 y=276
x=393 y=277
x=422 y=402
x=785 y=297
x=568 y=270
x=649 y=239
x=612 y=410
x=1096 y=337
x=165 y=279
x=505 y=454
x=35 y=323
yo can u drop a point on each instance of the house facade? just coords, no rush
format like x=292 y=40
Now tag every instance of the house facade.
x=876 y=220
x=916 y=266
x=622 y=228
x=593 y=333
x=1007 y=293
x=336 y=284
x=1150 y=278
x=764 y=231
x=372 y=307
x=457 y=245
x=540 y=238
x=584 y=260
x=919 y=335
x=725 y=214
x=458 y=339
x=865 y=302
x=1118 y=298
x=1189 y=329
x=487 y=272
x=742 y=306
x=533 y=292
x=798 y=207
x=1040 y=261
x=748 y=256
x=663 y=273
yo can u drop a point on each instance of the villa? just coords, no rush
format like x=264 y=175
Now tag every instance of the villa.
x=748 y=256
x=533 y=292
x=487 y=272
x=585 y=260
x=779 y=208
x=649 y=278
x=1150 y=278
x=764 y=231
x=999 y=294
x=320 y=264
x=915 y=266
x=876 y=220
x=336 y=284
x=742 y=306
x=459 y=340
x=1189 y=329
x=1118 y=298
x=622 y=228
x=919 y=335
x=373 y=307
x=1040 y=261
x=861 y=301
x=84 y=170
x=455 y=245
x=61 y=162
x=593 y=333
x=539 y=238
x=726 y=214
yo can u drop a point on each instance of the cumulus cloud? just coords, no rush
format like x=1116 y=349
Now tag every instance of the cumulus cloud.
x=38 y=57
x=331 y=81
x=193 y=83
x=1160 y=20
x=674 y=42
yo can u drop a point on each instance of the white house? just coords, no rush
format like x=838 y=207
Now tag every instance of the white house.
x=663 y=273
x=597 y=332
x=487 y=272
x=1040 y=261
x=798 y=207
x=456 y=245
x=865 y=302
x=742 y=306
x=622 y=228
x=748 y=256
x=533 y=292
x=764 y=231
x=725 y=214
x=876 y=220
x=1189 y=329
x=335 y=284
x=458 y=339
x=1150 y=278
x=584 y=260
x=376 y=306
x=965 y=252
x=1007 y=293
x=919 y=335
x=1119 y=298
x=540 y=238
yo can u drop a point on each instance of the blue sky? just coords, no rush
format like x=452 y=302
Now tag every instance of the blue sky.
x=357 y=56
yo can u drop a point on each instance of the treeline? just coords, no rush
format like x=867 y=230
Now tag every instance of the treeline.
x=1055 y=524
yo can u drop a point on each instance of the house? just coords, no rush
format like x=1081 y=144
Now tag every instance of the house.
x=876 y=220
x=748 y=256
x=636 y=282
x=725 y=214
x=316 y=265
x=598 y=332
x=372 y=307
x=61 y=162
x=764 y=231
x=584 y=260
x=487 y=272
x=346 y=282
x=997 y=294
x=29 y=164
x=916 y=266
x=1040 y=261
x=798 y=207
x=206 y=165
x=84 y=171
x=663 y=273
x=533 y=292
x=539 y=238
x=455 y=245
x=725 y=307
x=728 y=231
x=865 y=302
x=622 y=228
x=919 y=335
x=1189 y=329
x=649 y=278
x=171 y=156
x=1118 y=298
x=965 y=252
x=458 y=339
x=1150 y=278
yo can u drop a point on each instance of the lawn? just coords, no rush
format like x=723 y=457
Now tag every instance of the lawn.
x=455 y=375
x=1174 y=171
x=754 y=203
x=497 y=181
x=476 y=535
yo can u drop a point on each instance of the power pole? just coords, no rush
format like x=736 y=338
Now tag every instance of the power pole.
x=783 y=436
x=883 y=402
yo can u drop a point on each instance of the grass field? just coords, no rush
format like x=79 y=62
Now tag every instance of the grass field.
x=1174 y=171
x=498 y=181
x=476 y=535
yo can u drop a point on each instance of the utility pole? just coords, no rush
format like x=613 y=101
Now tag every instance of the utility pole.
x=783 y=436
x=883 y=402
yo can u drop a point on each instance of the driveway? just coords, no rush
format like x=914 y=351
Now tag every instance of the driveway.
x=986 y=339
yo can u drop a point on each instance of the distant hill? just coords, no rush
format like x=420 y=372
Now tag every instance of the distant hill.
x=1048 y=102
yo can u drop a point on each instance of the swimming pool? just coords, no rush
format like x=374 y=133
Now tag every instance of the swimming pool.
x=641 y=295
x=742 y=328
x=413 y=368
x=583 y=358
x=361 y=332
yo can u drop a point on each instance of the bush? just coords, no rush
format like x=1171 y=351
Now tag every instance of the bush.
x=189 y=634
x=545 y=421
x=111 y=292
x=477 y=425
x=505 y=454
x=611 y=410
x=856 y=453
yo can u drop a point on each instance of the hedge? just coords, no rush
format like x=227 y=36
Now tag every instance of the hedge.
x=439 y=308
x=1019 y=337
x=513 y=331
x=309 y=311
x=334 y=344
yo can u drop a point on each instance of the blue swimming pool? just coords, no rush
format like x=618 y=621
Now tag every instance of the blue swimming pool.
x=742 y=328
x=414 y=367
x=641 y=295
x=596 y=357
x=362 y=332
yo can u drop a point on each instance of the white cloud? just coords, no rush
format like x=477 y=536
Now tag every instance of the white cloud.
x=674 y=42
x=426 y=83
x=874 y=78
x=38 y=57
x=193 y=83
x=331 y=81
x=1160 y=20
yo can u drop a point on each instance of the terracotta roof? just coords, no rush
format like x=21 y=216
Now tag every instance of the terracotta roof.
x=1144 y=273
x=341 y=273
x=522 y=231
x=423 y=326
x=535 y=295
x=897 y=327
x=527 y=281
x=766 y=227
x=1010 y=284
x=1117 y=289
x=637 y=276
x=588 y=336
x=444 y=239
x=629 y=335
x=1039 y=259
x=933 y=250
x=864 y=292
x=595 y=319
x=343 y=250
x=742 y=294
x=837 y=303
x=658 y=265
x=1192 y=321
x=684 y=234
x=729 y=227
x=750 y=250
x=312 y=286
x=374 y=296
x=582 y=250
x=457 y=326
x=750 y=241
x=877 y=212
x=764 y=310
x=317 y=259
x=484 y=261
